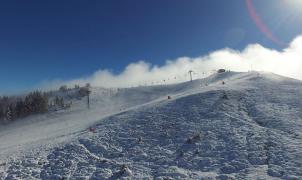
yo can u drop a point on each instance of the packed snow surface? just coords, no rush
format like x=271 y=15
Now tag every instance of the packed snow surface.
x=247 y=128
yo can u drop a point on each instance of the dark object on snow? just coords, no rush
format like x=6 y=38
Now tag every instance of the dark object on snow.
x=189 y=141
x=181 y=153
x=223 y=83
x=125 y=171
x=169 y=97
x=221 y=71
x=3 y=164
x=194 y=139
x=140 y=139
x=225 y=96
x=92 y=129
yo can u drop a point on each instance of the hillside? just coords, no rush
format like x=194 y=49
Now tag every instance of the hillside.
x=247 y=128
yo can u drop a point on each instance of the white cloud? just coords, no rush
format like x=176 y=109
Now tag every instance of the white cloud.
x=287 y=62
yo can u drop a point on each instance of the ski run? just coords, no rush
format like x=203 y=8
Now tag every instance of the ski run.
x=248 y=127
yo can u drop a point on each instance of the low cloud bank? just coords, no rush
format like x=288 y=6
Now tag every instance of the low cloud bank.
x=287 y=62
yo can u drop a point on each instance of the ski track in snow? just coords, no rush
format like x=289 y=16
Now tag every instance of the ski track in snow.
x=247 y=129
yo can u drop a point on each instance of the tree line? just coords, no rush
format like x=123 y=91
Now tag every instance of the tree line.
x=37 y=102
x=12 y=108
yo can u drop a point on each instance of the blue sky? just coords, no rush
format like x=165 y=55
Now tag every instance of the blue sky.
x=60 y=39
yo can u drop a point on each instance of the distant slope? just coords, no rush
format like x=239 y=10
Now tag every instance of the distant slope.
x=40 y=130
x=247 y=128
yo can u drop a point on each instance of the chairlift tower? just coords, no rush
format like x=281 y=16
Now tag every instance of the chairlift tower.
x=190 y=72
x=88 y=98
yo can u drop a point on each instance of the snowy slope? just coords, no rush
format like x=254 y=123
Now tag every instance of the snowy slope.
x=60 y=125
x=246 y=129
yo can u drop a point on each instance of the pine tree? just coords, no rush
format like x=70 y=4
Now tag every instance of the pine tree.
x=63 y=88
x=20 y=108
x=8 y=114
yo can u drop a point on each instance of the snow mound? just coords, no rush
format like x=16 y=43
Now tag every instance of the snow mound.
x=247 y=128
